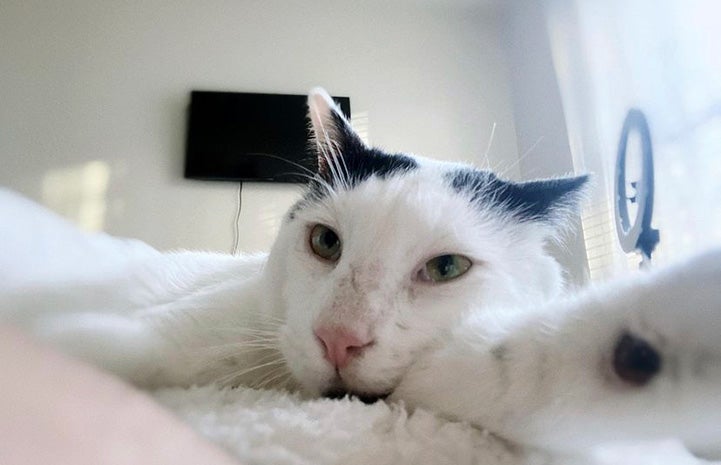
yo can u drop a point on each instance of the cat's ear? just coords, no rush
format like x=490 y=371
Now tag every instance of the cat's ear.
x=550 y=201
x=332 y=136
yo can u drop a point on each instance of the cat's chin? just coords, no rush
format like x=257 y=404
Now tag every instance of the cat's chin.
x=366 y=398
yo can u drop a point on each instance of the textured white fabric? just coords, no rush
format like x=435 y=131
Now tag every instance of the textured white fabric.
x=267 y=427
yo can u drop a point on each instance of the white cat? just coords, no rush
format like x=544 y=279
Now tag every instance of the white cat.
x=394 y=275
x=374 y=265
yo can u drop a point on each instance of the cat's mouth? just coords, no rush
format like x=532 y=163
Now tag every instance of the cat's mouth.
x=366 y=398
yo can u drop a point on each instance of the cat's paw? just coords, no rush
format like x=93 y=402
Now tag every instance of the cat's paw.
x=633 y=360
x=663 y=353
x=683 y=302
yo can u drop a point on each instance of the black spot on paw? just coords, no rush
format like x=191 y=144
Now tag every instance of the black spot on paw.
x=635 y=361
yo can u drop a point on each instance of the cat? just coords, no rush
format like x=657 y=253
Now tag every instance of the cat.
x=395 y=276
x=377 y=262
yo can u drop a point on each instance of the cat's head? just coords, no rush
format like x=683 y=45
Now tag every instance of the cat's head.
x=385 y=252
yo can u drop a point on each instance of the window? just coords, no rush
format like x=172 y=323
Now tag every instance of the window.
x=661 y=56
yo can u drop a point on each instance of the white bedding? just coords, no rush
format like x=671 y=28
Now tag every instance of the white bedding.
x=279 y=428
x=265 y=427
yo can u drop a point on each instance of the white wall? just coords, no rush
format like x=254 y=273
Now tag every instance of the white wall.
x=93 y=96
x=540 y=122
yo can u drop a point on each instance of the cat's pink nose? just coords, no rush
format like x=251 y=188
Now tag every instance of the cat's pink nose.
x=340 y=345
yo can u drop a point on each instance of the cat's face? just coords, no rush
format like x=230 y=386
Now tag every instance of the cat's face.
x=386 y=252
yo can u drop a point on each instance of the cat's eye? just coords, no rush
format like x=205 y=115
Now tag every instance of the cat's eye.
x=325 y=242
x=444 y=268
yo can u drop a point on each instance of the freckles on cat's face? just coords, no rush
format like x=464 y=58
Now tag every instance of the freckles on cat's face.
x=358 y=312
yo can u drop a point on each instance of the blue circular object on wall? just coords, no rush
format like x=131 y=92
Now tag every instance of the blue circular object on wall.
x=635 y=234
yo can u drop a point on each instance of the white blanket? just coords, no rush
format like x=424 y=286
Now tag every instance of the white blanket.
x=277 y=428
x=267 y=427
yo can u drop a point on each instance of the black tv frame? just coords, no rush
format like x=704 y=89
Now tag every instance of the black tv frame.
x=214 y=148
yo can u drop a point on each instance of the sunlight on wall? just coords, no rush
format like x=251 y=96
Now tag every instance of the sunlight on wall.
x=79 y=193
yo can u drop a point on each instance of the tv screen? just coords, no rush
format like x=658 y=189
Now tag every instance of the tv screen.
x=249 y=137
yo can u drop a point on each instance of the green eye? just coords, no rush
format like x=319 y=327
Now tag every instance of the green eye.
x=444 y=268
x=325 y=242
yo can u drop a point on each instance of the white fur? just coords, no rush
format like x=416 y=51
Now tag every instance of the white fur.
x=544 y=377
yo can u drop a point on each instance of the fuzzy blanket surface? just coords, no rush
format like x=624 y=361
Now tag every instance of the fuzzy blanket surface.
x=268 y=427
x=271 y=427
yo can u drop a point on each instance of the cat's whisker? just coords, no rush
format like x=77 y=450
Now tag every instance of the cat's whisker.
x=242 y=330
x=269 y=325
x=307 y=173
x=274 y=355
x=332 y=154
x=327 y=148
x=237 y=346
x=323 y=150
x=281 y=369
x=237 y=349
x=310 y=172
x=505 y=171
x=271 y=318
x=237 y=374
x=488 y=147
x=277 y=378
x=246 y=340
x=340 y=159
x=255 y=332
x=289 y=383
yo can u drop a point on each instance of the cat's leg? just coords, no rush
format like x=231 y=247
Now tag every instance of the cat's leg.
x=127 y=347
x=213 y=336
x=629 y=361
x=180 y=319
x=120 y=342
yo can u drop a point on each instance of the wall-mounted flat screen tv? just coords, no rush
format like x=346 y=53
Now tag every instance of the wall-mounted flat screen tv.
x=249 y=137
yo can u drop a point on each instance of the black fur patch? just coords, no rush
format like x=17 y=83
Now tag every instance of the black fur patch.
x=356 y=162
x=360 y=162
x=361 y=165
x=635 y=361
x=527 y=201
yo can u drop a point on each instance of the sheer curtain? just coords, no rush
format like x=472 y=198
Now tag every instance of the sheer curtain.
x=663 y=57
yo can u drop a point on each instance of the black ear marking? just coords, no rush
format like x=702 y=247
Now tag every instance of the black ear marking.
x=331 y=134
x=536 y=200
x=543 y=200
x=635 y=361
x=344 y=160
